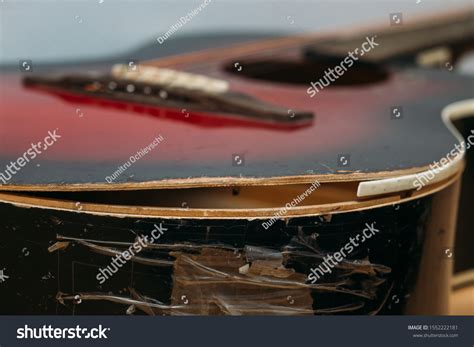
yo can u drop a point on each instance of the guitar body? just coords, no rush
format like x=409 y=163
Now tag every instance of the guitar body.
x=240 y=208
x=379 y=277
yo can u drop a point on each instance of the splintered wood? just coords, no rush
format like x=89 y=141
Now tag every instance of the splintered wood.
x=221 y=282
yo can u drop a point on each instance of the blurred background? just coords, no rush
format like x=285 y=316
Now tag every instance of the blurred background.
x=66 y=31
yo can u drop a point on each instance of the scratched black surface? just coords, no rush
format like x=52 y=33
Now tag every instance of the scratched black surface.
x=37 y=276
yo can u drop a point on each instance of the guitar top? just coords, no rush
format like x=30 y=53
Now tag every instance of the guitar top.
x=274 y=122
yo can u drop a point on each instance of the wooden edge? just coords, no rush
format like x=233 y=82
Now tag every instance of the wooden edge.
x=462 y=294
x=463 y=279
x=195 y=213
x=457 y=110
x=213 y=182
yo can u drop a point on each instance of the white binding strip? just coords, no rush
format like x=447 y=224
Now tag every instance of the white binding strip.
x=450 y=113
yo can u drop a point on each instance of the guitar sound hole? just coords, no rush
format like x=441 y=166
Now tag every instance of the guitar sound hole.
x=304 y=72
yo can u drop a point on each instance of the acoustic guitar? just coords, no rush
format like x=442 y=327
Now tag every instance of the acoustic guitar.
x=313 y=174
